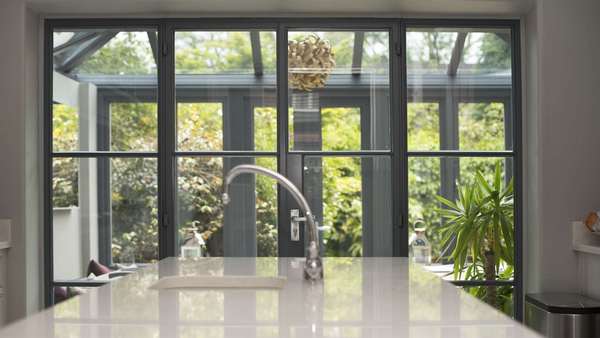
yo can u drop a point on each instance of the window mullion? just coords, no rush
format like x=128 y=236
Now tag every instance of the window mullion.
x=167 y=237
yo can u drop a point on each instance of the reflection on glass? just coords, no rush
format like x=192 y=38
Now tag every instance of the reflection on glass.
x=247 y=226
x=225 y=86
x=64 y=330
x=339 y=90
x=201 y=305
x=343 y=291
x=135 y=331
x=97 y=105
x=424 y=296
x=351 y=196
x=125 y=300
x=429 y=177
x=342 y=300
x=267 y=304
x=201 y=332
x=459 y=89
x=68 y=309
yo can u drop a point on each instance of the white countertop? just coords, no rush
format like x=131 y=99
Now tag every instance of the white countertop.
x=359 y=297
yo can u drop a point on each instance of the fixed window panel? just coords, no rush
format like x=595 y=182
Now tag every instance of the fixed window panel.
x=247 y=226
x=338 y=86
x=460 y=83
x=104 y=90
x=455 y=180
x=103 y=209
x=225 y=81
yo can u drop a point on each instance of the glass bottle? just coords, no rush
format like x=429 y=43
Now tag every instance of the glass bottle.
x=192 y=245
x=420 y=247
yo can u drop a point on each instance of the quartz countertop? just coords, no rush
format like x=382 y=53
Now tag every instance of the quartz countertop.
x=359 y=297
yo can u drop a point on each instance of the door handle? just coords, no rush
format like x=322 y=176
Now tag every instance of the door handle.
x=295 y=220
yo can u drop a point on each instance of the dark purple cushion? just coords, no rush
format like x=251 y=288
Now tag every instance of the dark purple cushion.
x=97 y=268
x=60 y=294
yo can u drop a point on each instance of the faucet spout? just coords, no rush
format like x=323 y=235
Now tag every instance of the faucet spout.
x=313 y=267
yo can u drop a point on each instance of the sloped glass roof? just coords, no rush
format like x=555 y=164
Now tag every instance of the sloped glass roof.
x=458 y=52
x=116 y=56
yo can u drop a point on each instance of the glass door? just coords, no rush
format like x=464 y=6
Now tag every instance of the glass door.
x=225 y=91
x=338 y=140
x=339 y=136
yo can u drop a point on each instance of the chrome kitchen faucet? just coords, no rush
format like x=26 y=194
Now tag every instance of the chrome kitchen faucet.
x=313 y=267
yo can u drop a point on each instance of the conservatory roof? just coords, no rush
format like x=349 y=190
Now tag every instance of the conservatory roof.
x=72 y=49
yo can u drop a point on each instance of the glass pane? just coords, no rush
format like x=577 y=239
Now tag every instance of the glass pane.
x=338 y=100
x=430 y=178
x=133 y=126
x=459 y=89
x=481 y=126
x=230 y=52
x=104 y=91
x=245 y=227
x=103 y=209
x=351 y=198
x=134 y=205
x=226 y=90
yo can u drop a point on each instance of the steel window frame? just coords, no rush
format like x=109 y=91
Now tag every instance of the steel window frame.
x=167 y=152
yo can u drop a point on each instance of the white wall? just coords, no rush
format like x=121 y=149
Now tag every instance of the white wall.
x=19 y=148
x=565 y=179
x=67 y=255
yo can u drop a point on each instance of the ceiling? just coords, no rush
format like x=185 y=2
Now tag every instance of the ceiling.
x=380 y=8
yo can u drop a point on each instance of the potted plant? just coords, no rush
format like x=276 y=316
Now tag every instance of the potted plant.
x=479 y=230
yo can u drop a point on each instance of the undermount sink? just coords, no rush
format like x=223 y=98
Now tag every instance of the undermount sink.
x=219 y=282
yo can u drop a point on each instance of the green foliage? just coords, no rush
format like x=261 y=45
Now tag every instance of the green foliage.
x=474 y=115
x=65 y=127
x=127 y=53
x=221 y=52
x=479 y=222
x=134 y=126
x=342 y=206
x=200 y=127
x=342 y=190
x=483 y=51
x=480 y=229
x=503 y=295
x=495 y=52
x=134 y=189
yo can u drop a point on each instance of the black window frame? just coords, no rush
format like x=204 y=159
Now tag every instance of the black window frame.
x=167 y=153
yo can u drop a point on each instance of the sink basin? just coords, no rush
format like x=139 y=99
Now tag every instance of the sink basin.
x=219 y=282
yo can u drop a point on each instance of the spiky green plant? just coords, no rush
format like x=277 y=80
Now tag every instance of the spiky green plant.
x=479 y=228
